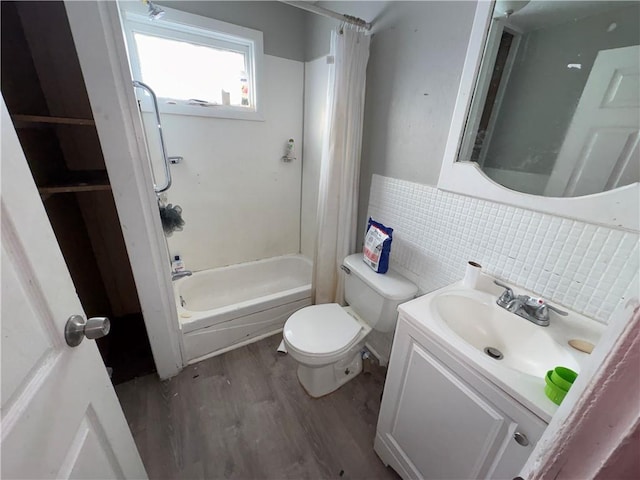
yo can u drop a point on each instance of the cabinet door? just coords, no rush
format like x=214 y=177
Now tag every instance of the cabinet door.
x=441 y=427
x=518 y=445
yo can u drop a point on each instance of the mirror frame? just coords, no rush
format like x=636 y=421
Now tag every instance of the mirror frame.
x=618 y=208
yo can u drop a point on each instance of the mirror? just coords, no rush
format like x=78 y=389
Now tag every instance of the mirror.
x=556 y=105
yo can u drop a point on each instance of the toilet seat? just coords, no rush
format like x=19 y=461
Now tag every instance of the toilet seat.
x=321 y=331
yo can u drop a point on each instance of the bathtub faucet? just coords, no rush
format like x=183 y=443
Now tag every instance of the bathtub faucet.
x=180 y=274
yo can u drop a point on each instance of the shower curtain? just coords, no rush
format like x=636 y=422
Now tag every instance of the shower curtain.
x=340 y=168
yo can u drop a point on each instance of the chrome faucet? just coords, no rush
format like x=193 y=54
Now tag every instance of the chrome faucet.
x=533 y=309
x=180 y=274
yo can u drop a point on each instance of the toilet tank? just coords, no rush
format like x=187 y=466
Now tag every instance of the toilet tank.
x=375 y=296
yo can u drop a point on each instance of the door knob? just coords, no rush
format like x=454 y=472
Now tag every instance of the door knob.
x=77 y=328
x=521 y=438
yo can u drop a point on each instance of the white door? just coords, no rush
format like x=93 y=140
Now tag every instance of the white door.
x=60 y=414
x=600 y=151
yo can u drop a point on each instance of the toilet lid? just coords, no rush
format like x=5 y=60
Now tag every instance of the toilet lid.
x=321 y=329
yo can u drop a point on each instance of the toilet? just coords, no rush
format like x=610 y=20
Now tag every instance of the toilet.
x=327 y=340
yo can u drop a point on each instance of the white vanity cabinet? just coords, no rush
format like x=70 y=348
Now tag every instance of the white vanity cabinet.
x=440 y=419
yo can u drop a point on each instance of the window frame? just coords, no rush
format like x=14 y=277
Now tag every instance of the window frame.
x=204 y=31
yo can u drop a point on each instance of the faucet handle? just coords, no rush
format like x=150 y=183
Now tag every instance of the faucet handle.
x=557 y=310
x=507 y=295
x=540 y=303
x=541 y=308
x=506 y=287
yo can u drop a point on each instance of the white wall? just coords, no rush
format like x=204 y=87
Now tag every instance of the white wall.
x=316 y=77
x=414 y=70
x=240 y=201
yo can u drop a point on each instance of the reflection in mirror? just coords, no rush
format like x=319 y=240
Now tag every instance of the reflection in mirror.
x=556 y=108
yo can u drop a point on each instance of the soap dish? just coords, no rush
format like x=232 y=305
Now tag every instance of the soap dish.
x=581 y=345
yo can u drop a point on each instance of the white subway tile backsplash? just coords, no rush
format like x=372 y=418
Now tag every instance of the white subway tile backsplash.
x=588 y=268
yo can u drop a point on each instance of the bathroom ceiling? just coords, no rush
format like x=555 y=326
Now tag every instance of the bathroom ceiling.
x=545 y=13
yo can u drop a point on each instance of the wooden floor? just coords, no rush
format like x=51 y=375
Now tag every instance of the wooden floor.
x=244 y=415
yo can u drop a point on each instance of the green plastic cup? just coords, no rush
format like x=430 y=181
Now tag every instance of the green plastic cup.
x=552 y=391
x=563 y=377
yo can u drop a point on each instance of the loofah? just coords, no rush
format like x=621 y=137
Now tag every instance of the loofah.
x=171 y=216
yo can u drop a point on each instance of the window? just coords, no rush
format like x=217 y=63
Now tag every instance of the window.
x=195 y=65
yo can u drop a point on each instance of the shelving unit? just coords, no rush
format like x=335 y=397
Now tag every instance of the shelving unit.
x=44 y=90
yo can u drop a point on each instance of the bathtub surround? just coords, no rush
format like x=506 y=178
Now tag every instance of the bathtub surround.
x=240 y=201
x=340 y=167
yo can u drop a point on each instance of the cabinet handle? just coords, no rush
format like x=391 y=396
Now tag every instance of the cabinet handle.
x=521 y=438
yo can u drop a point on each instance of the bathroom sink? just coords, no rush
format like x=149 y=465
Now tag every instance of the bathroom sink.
x=511 y=352
x=504 y=337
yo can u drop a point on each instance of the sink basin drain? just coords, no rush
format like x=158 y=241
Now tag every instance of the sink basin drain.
x=493 y=353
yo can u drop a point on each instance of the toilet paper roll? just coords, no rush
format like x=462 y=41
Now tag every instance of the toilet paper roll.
x=226 y=97
x=472 y=275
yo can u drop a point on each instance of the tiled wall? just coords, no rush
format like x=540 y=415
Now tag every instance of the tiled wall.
x=587 y=268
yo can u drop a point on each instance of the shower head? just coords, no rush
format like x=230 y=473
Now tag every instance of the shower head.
x=155 y=12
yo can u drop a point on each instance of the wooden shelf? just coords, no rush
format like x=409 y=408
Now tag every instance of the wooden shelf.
x=71 y=188
x=77 y=181
x=54 y=120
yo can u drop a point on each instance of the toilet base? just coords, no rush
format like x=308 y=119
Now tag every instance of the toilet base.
x=322 y=380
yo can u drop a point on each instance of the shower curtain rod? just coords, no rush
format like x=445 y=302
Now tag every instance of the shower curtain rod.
x=325 y=12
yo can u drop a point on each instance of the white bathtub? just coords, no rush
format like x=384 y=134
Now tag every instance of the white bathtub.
x=228 y=307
